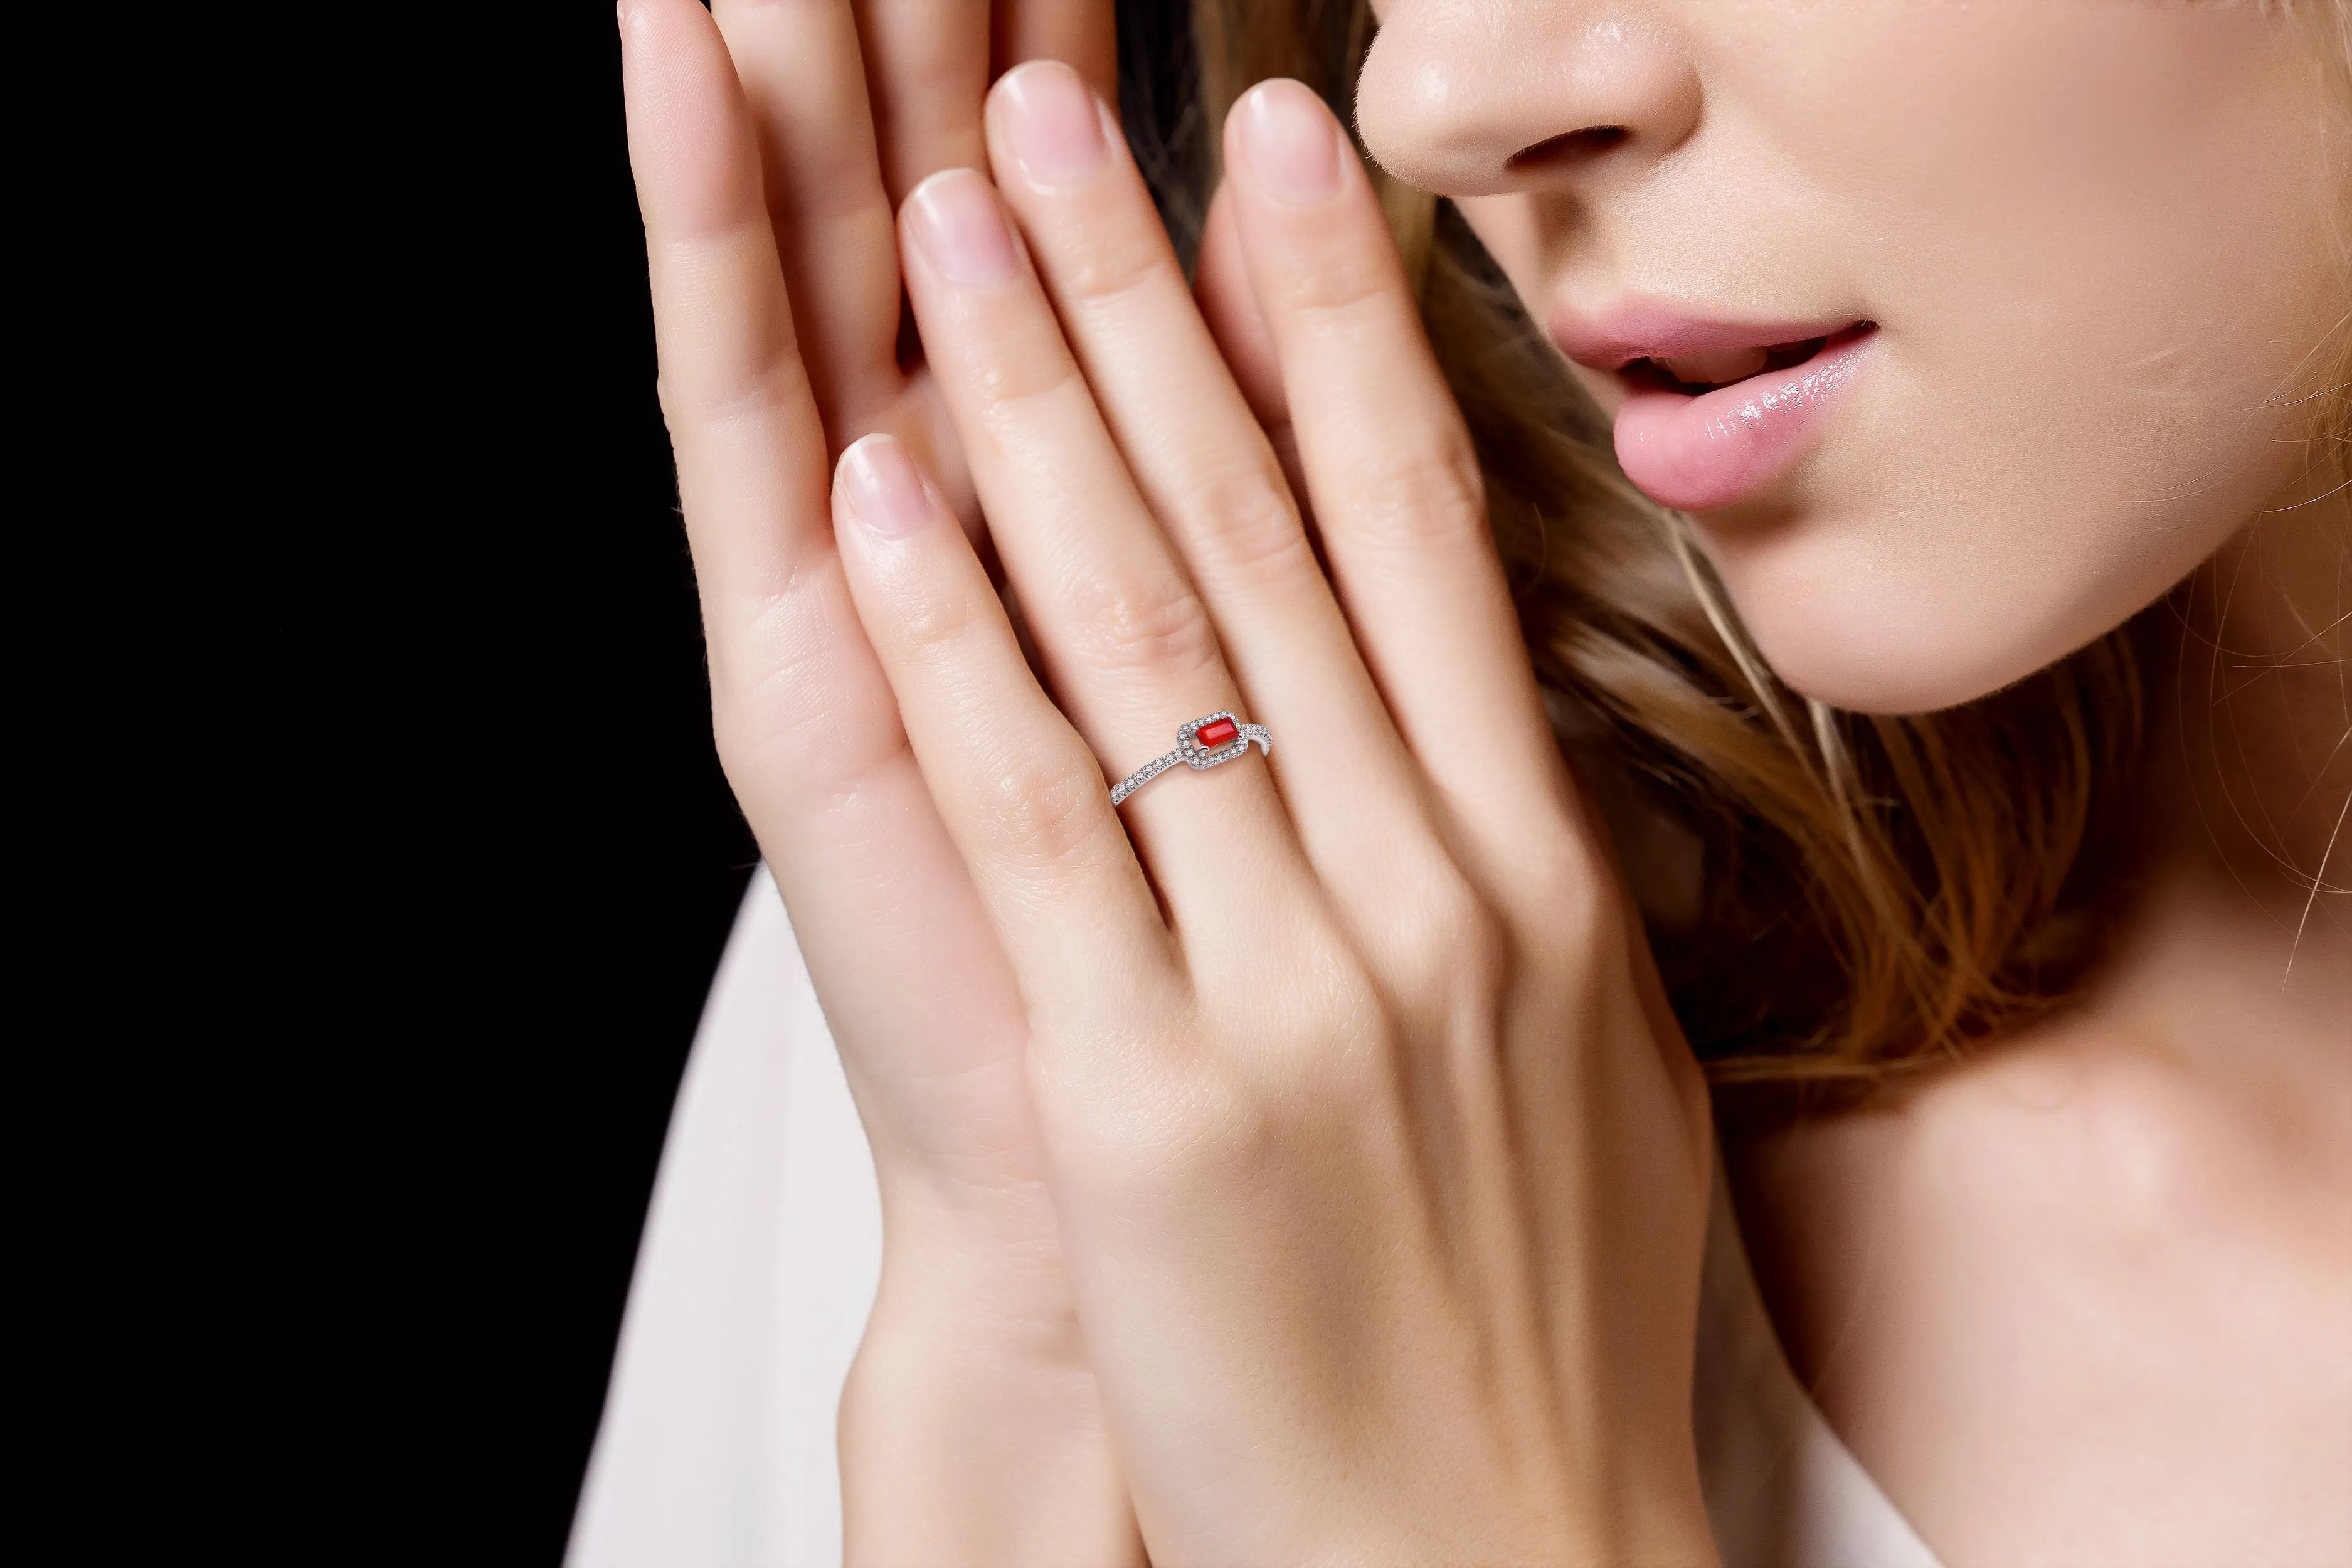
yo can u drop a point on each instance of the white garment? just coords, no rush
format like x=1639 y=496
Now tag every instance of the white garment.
x=758 y=1269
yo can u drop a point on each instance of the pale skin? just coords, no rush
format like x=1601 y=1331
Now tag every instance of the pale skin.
x=1299 y=1161
x=2089 y=1299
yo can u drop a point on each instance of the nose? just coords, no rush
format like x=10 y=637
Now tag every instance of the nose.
x=1474 y=98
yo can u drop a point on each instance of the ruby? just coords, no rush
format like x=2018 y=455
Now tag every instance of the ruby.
x=1216 y=733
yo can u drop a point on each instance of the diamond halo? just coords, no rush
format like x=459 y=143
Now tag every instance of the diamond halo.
x=1193 y=754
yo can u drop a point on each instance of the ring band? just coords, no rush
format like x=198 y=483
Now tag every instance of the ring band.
x=1202 y=742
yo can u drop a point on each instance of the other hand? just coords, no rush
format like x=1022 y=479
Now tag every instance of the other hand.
x=770 y=145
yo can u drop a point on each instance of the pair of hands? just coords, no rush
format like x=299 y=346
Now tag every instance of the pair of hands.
x=1299 y=1161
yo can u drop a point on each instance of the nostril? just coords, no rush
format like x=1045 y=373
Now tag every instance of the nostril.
x=1569 y=147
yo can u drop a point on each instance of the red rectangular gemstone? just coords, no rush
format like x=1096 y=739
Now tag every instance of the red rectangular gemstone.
x=1216 y=733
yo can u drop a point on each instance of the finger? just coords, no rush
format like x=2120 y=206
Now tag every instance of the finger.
x=1081 y=34
x=806 y=721
x=1399 y=496
x=1126 y=643
x=926 y=71
x=742 y=420
x=805 y=85
x=1195 y=449
x=1017 y=787
x=1222 y=287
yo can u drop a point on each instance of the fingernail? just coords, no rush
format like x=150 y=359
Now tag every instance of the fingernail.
x=956 y=219
x=883 y=490
x=1292 y=146
x=1052 y=123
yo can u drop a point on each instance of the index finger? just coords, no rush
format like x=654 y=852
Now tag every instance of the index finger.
x=1396 y=482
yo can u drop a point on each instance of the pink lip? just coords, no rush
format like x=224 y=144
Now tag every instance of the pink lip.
x=1696 y=452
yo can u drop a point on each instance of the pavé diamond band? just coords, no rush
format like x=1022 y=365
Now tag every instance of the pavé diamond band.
x=1204 y=743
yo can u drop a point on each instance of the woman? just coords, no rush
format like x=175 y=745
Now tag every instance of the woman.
x=1309 y=1158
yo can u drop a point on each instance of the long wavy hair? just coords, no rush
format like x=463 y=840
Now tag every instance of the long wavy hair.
x=1833 y=898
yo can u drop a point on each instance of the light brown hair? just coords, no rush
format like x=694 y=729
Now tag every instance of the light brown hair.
x=1832 y=898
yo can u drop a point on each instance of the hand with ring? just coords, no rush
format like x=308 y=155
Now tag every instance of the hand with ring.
x=1296 y=1162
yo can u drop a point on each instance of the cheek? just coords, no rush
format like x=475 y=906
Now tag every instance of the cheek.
x=2099 y=324
x=1993 y=499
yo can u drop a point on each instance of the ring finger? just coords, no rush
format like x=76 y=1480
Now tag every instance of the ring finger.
x=1127 y=644
x=1199 y=455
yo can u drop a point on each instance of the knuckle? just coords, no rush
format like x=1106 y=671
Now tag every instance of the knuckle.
x=935 y=620
x=1559 y=876
x=776 y=681
x=738 y=401
x=1431 y=497
x=1025 y=381
x=1245 y=516
x=1339 y=1056
x=728 y=344
x=1113 y=266
x=795 y=720
x=1346 y=287
x=1214 y=1110
x=1446 y=939
x=1161 y=628
x=1207 y=1127
x=1142 y=1119
x=1318 y=1036
x=1574 y=923
x=1042 y=814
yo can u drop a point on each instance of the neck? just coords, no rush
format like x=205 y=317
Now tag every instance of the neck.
x=2245 y=813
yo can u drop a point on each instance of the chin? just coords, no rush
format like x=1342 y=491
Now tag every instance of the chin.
x=1909 y=586
x=1891 y=676
x=1883 y=631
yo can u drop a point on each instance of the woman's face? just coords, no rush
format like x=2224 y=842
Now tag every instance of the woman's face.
x=2012 y=305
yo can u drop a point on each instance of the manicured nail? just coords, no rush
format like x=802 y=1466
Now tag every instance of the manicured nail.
x=1292 y=146
x=1052 y=123
x=954 y=216
x=883 y=490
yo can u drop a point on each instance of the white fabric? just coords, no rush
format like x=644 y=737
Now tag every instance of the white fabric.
x=1782 y=1491
x=757 y=1271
